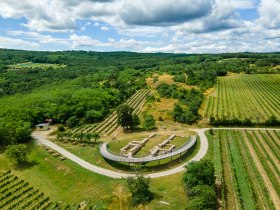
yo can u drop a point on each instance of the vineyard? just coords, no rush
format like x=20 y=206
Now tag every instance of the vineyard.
x=110 y=124
x=18 y=194
x=254 y=97
x=247 y=166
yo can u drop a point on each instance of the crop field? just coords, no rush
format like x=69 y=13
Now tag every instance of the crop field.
x=36 y=65
x=242 y=96
x=247 y=166
x=110 y=124
x=18 y=194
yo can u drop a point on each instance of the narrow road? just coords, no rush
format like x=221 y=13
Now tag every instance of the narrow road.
x=118 y=175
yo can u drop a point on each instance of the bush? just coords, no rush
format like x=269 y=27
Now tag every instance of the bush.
x=202 y=197
x=17 y=153
x=139 y=187
x=199 y=180
x=149 y=122
x=199 y=173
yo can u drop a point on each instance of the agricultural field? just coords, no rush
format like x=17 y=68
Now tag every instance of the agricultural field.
x=247 y=166
x=31 y=65
x=67 y=184
x=242 y=96
x=110 y=124
x=18 y=194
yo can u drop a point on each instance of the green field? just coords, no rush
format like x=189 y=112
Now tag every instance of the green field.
x=36 y=65
x=18 y=194
x=241 y=96
x=247 y=168
x=67 y=182
x=178 y=141
x=93 y=156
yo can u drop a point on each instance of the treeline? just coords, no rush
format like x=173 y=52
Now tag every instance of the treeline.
x=94 y=83
x=199 y=182
x=271 y=121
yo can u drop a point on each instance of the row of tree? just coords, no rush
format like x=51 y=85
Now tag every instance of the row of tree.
x=271 y=121
x=79 y=136
x=199 y=181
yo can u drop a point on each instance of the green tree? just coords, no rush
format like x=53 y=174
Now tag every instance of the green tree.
x=202 y=197
x=149 y=122
x=95 y=136
x=125 y=118
x=139 y=187
x=17 y=154
x=61 y=128
x=136 y=121
x=199 y=173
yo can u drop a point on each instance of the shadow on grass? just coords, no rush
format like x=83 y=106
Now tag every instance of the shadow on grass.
x=26 y=165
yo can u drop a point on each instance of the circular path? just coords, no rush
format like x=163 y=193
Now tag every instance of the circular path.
x=118 y=175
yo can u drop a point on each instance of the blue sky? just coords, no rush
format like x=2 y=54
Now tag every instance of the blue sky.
x=179 y=26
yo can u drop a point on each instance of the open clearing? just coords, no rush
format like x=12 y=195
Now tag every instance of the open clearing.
x=36 y=65
x=241 y=96
x=247 y=165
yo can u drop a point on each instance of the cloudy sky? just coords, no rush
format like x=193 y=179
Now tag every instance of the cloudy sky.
x=189 y=26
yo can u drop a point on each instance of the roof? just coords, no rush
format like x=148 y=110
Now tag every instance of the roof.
x=115 y=157
x=42 y=124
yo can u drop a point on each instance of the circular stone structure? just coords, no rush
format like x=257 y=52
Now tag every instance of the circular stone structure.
x=106 y=153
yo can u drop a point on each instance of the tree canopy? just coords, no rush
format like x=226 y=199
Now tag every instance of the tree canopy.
x=17 y=153
x=139 y=187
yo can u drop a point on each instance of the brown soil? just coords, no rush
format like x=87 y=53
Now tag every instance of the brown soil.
x=274 y=196
x=262 y=146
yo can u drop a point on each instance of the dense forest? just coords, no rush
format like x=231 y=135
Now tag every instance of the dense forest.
x=86 y=86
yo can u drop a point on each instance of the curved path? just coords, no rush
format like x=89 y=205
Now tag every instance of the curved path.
x=118 y=175
x=114 y=174
x=106 y=153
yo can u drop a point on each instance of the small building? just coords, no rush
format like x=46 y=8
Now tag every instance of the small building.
x=42 y=127
x=50 y=121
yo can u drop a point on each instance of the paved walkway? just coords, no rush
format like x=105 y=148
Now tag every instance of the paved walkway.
x=106 y=153
x=118 y=175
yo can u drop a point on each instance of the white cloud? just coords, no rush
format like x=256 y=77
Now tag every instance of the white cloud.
x=270 y=13
x=6 y=42
x=127 y=44
x=104 y=28
x=85 y=41
x=44 y=39
x=176 y=26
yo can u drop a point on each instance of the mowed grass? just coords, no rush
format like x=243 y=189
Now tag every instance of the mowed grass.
x=242 y=96
x=178 y=141
x=93 y=156
x=36 y=65
x=64 y=180
x=68 y=182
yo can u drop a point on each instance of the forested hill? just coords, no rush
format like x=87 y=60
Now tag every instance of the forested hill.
x=76 y=87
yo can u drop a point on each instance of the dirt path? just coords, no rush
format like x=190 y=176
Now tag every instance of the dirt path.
x=269 y=151
x=269 y=162
x=274 y=196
